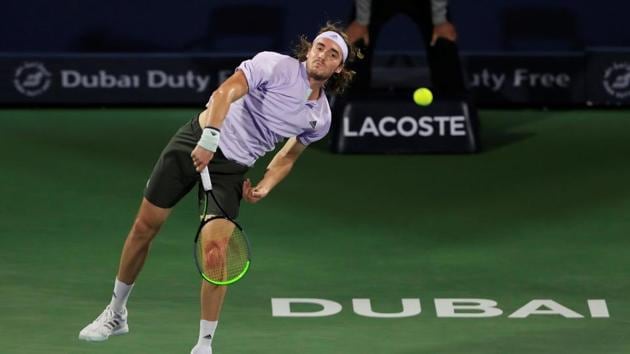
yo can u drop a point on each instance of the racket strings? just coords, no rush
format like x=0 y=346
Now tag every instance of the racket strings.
x=224 y=259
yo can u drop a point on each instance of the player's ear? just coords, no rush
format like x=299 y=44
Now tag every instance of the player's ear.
x=339 y=68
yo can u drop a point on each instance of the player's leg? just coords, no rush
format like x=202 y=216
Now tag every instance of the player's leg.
x=212 y=296
x=172 y=178
x=113 y=320
x=147 y=224
x=228 y=184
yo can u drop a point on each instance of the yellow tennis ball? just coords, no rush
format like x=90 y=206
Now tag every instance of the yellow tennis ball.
x=423 y=96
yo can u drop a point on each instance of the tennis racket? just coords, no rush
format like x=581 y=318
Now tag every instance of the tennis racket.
x=222 y=252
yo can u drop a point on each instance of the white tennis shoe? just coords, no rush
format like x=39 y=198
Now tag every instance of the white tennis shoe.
x=109 y=323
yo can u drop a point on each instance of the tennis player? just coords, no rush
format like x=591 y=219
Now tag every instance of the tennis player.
x=269 y=98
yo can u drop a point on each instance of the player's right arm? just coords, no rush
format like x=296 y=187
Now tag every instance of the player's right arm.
x=229 y=91
x=213 y=116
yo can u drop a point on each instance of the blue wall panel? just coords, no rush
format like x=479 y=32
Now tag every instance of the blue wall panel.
x=169 y=26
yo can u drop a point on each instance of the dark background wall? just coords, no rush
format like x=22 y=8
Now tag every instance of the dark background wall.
x=187 y=25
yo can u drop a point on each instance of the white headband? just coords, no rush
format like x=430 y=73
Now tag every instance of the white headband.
x=335 y=37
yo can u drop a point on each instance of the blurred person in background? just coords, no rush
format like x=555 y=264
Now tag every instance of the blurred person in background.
x=440 y=36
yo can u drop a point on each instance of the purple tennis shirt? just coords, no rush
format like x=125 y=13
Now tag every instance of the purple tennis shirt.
x=276 y=107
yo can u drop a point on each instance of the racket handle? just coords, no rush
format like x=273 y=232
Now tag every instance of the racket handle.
x=205 y=179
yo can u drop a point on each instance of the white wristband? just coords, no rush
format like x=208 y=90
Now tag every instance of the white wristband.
x=210 y=139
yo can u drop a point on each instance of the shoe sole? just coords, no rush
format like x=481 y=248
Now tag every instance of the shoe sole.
x=118 y=332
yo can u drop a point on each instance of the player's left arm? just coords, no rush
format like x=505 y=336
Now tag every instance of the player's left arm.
x=277 y=170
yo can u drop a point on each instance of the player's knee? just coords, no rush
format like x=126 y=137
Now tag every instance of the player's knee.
x=214 y=254
x=144 y=229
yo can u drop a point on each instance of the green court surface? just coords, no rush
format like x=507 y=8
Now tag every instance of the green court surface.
x=543 y=213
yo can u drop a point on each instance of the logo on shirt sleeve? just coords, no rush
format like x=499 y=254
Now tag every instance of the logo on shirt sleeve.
x=313 y=123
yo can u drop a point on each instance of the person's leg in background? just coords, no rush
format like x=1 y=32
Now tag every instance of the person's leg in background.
x=447 y=74
x=381 y=12
x=360 y=87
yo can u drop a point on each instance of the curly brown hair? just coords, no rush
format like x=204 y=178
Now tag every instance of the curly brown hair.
x=338 y=82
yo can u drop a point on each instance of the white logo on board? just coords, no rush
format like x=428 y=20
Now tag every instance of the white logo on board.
x=617 y=80
x=32 y=79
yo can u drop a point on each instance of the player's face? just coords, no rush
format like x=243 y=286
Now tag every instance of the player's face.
x=324 y=59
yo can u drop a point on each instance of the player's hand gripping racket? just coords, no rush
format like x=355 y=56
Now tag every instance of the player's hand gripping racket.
x=221 y=250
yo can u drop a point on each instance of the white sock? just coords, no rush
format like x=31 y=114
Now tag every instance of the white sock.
x=206 y=333
x=120 y=296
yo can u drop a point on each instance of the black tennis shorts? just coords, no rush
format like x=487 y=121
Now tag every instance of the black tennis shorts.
x=174 y=174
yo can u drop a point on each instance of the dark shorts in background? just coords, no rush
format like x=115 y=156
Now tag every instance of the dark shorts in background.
x=174 y=174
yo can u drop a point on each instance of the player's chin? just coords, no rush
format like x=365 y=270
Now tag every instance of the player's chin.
x=320 y=75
